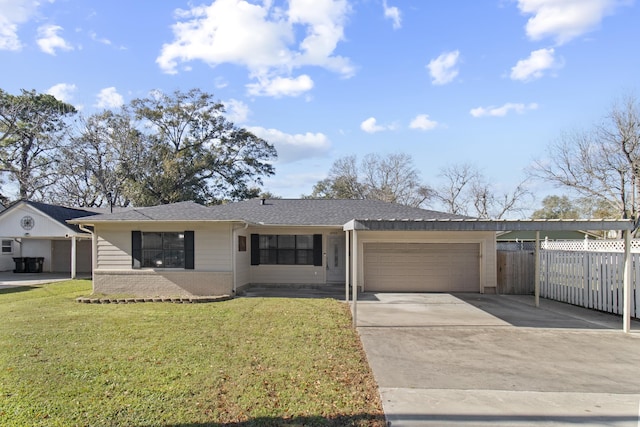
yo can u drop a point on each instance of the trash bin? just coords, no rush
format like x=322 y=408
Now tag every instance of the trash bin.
x=21 y=265
x=34 y=264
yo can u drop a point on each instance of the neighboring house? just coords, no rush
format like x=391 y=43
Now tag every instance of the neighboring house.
x=189 y=249
x=39 y=230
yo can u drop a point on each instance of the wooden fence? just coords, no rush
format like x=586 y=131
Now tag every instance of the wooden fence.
x=589 y=279
x=584 y=278
x=516 y=271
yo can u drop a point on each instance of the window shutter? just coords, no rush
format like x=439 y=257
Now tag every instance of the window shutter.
x=136 y=249
x=189 y=251
x=317 y=250
x=255 y=249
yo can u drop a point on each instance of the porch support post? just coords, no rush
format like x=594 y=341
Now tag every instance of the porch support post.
x=74 y=250
x=537 y=270
x=347 y=266
x=626 y=309
x=354 y=284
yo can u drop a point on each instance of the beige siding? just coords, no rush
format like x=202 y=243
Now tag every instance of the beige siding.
x=484 y=240
x=212 y=244
x=243 y=259
x=213 y=249
x=113 y=248
x=213 y=273
x=289 y=274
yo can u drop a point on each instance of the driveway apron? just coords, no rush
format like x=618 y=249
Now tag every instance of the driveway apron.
x=487 y=360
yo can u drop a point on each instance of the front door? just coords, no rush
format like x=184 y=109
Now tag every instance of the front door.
x=335 y=259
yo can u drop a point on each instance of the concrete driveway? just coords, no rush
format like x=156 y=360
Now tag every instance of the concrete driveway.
x=487 y=360
x=9 y=279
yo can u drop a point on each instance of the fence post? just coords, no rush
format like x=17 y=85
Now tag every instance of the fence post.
x=586 y=283
x=537 y=270
x=626 y=308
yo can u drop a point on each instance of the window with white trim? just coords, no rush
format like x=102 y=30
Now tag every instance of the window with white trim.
x=7 y=246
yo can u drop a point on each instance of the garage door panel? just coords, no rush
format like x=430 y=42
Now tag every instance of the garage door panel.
x=422 y=267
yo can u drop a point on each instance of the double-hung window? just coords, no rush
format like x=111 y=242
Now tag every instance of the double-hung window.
x=7 y=246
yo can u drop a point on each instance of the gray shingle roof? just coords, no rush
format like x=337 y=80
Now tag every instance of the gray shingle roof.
x=61 y=213
x=295 y=212
x=320 y=211
x=182 y=211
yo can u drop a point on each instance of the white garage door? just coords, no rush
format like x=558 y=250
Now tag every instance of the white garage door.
x=422 y=267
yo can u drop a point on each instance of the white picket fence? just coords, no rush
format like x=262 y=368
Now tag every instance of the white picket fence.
x=589 y=279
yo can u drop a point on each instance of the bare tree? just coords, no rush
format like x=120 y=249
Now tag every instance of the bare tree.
x=455 y=193
x=391 y=178
x=603 y=163
x=343 y=181
x=394 y=179
x=465 y=191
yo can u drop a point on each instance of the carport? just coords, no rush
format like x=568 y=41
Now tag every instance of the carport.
x=356 y=229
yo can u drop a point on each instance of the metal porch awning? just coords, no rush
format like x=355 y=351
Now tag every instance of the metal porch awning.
x=351 y=228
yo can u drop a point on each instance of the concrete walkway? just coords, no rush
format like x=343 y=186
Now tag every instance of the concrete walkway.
x=9 y=279
x=493 y=360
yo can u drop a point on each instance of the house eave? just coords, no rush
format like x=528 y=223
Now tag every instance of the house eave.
x=487 y=225
x=94 y=222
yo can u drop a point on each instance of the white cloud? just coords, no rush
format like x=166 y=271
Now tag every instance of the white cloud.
x=443 y=69
x=261 y=37
x=294 y=147
x=392 y=13
x=503 y=110
x=12 y=14
x=280 y=86
x=325 y=20
x=62 y=91
x=423 y=122
x=535 y=65
x=49 y=40
x=109 y=98
x=236 y=111
x=564 y=20
x=371 y=126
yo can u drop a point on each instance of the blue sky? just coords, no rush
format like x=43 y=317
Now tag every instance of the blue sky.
x=485 y=82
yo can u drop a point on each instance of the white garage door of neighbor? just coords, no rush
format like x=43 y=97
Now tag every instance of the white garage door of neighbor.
x=422 y=267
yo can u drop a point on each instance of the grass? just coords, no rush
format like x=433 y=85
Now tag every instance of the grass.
x=243 y=362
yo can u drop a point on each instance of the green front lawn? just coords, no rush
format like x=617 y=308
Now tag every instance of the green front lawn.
x=244 y=362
